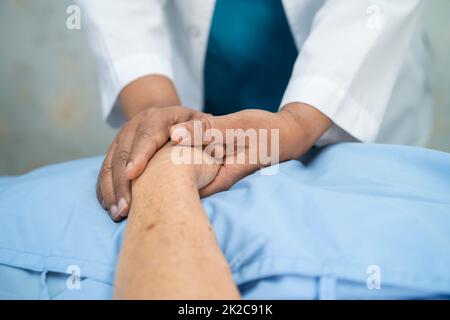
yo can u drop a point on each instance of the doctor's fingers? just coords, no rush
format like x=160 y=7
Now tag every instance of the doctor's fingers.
x=148 y=140
x=105 y=189
x=121 y=183
x=205 y=129
x=227 y=176
x=152 y=134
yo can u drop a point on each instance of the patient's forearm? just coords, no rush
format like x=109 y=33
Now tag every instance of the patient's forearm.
x=170 y=250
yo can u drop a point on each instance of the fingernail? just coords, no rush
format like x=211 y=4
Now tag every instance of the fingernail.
x=114 y=211
x=129 y=166
x=123 y=205
x=179 y=133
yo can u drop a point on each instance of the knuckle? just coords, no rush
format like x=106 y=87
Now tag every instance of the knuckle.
x=104 y=172
x=177 y=114
x=143 y=114
x=144 y=135
x=148 y=113
x=201 y=115
x=122 y=155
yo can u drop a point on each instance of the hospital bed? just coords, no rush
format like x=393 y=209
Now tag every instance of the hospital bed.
x=349 y=221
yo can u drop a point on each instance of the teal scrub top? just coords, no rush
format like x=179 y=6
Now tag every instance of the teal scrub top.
x=250 y=56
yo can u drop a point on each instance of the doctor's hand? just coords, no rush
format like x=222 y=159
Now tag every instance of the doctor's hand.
x=128 y=155
x=298 y=125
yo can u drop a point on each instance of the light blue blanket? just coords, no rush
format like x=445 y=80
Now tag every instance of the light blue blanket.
x=350 y=221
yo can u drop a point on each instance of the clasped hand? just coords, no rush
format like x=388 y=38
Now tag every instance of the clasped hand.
x=297 y=125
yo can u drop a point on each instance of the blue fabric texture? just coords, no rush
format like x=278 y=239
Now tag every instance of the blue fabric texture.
x=250 y=56
x=310 y=231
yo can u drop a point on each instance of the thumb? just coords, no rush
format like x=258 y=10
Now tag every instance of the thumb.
x=222 y=182
x=227 y=176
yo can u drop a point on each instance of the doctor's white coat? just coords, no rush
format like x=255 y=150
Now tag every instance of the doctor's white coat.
x=363 y=63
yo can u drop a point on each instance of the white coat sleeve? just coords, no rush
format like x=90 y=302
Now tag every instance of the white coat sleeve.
x=350 y=61
x=130 y=40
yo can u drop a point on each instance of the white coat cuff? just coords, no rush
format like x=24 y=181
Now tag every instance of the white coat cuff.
x=336 y=103
x=122 y=73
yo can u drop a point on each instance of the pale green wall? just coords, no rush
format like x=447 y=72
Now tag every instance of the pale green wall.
x=49 y=108
x=437 y=23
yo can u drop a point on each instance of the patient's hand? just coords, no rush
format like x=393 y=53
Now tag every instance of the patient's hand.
x=175 y=164
x=139 y=139
x=296 y=127
x=170 y=250
x=186 y=160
